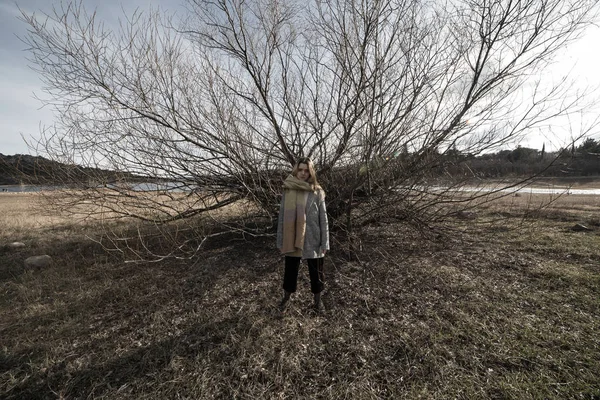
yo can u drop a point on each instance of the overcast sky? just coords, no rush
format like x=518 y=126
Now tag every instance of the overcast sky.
x=21 y=115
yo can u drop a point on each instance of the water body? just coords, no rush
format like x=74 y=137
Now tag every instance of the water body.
x=178 y=187
x=140 y=186
x=157 y=187
x=526 y=190
x=26 y=188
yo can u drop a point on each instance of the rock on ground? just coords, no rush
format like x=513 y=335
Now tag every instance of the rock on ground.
x=580 y=228
x=466 y=215
x=38 y=261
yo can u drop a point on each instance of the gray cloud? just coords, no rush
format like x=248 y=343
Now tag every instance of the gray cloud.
x=20 y=112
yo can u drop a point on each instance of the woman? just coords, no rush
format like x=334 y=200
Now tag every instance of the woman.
x=302 y=229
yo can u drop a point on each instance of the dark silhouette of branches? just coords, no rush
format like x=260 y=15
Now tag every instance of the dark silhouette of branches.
x=215 y=108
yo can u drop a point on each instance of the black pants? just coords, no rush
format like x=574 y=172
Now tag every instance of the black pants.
x=315 y=270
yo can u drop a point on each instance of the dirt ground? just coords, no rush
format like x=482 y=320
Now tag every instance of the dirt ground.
x=505 y=305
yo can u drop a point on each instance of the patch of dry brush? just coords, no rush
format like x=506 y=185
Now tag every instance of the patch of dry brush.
x=505 y=308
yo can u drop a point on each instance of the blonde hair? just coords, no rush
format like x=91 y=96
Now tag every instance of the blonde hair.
x=312 y=179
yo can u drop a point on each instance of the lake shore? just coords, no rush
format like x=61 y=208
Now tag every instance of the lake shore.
x=581 y=184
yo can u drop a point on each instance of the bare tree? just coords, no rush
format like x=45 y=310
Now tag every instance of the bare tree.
x=215 y=107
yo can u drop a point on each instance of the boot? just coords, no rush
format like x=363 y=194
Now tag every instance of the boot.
x=317 y=305
x=284 y=301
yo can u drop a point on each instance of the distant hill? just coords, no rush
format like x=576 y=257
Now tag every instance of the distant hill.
x=36 y=170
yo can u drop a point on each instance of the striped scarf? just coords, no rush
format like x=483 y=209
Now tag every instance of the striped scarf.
x=294 y=214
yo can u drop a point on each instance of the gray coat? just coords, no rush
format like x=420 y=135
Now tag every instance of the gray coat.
x=316 y=239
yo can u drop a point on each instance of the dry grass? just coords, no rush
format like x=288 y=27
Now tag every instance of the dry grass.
x=504 y=307
x=562 y=202
x=18 y=214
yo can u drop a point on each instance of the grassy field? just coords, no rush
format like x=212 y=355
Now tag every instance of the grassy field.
x=506 y=306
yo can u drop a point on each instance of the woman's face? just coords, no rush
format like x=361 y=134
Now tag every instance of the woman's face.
x=303 y=173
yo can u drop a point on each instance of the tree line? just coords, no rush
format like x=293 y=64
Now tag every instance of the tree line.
x=24 y=169
x=580 y=160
